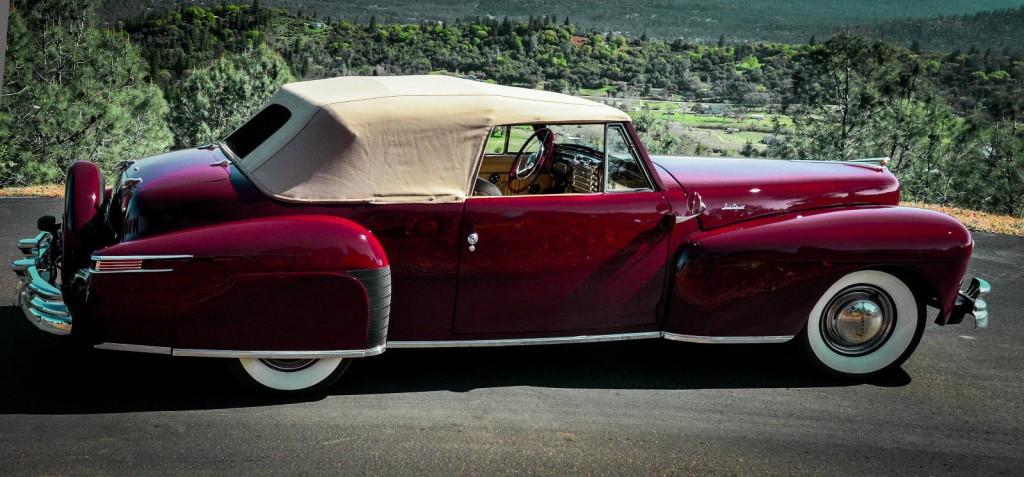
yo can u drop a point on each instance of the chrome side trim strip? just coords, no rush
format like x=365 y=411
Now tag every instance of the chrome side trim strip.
x=376 y=350
x=140 y=257
x=725 y=339
x=525 y=341
x=93 y=271
x=134 y=348
x=588 y=339
x=217 y=353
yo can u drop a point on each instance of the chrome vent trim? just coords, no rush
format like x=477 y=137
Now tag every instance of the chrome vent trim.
x=377 y=283
x=130 y=263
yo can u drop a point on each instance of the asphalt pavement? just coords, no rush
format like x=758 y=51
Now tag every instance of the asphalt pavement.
x=630 y=408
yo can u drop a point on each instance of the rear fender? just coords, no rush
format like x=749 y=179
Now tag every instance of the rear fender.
x=294 y=283
x=83 y=201
x=762 y=277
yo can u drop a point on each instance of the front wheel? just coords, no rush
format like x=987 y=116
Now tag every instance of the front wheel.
x=290 y=376
x=865 y=324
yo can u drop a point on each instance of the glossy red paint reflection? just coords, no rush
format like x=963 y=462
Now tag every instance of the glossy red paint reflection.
x=555 y=263
x=741 y=189
x=271 y=275
x=762 y=277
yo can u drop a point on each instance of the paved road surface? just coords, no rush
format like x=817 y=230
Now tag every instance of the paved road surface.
x=613 y=409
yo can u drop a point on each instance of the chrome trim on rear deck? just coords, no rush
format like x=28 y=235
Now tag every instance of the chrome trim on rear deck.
x=140 y=257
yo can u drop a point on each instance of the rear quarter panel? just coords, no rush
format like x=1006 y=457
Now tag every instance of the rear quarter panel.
x=267 y=284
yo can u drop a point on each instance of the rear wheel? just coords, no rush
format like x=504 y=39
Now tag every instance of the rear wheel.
x=867 y=323
x=290 y=376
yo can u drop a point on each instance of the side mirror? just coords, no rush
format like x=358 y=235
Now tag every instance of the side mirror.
x=695 y=206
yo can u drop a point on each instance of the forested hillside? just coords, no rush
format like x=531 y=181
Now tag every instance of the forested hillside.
x=988 y=30
x=791 y=21
x=542 y=52
x=951 y=121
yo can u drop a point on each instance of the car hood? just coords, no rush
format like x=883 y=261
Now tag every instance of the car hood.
x=735 y=190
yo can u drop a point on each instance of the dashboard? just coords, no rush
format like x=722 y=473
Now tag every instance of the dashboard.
x=577 y=168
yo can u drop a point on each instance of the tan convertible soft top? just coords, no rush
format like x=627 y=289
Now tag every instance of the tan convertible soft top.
x=398 y=138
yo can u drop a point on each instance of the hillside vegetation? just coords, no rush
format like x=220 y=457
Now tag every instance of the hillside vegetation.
x=950 y=121
x=790 y=21
x=987 y=30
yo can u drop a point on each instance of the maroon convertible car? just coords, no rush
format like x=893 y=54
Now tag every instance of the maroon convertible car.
x=351 y=215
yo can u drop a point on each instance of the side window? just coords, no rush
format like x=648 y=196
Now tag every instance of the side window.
x=517 y=135
x=625 y=173
x=496 y=141
x=258 y=129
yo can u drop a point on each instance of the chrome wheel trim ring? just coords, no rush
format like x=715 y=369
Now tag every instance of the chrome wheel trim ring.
x=858 y=320
x=288 y=365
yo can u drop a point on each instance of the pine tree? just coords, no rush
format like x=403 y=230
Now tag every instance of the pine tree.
x=212 y=101
x=73 y=92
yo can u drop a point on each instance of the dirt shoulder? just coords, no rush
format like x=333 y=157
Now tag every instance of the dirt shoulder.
x=979 y=221
x=52 y=190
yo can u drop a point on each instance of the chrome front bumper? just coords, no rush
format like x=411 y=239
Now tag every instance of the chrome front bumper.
x=971 y=301
x=41 y=301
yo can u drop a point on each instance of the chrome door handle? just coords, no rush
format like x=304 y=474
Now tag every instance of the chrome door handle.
x=472 y=239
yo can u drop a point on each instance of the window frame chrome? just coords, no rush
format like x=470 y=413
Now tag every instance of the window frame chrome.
x=636 y=158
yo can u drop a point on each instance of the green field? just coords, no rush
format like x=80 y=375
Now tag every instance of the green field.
x=767 y=122
x=496 y=142
x=602 y=91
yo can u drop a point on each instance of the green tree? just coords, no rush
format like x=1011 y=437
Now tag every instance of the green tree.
x=748 y=149
x=857 y=98
x=1002 y=166
x=73 y=92
x=212 y=101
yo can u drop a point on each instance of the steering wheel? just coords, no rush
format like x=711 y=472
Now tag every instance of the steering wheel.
x=526 y=167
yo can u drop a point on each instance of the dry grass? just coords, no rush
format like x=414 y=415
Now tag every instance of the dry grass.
x=980 y=221
x=974 y=220
x=51 y=190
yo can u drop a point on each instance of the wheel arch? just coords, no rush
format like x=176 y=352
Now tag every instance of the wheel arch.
x=924 y=291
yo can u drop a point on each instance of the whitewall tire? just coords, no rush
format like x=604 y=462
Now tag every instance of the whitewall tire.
x=866 y=323
x=291 y=375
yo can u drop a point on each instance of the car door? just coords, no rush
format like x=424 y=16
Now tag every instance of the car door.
x=567 y=262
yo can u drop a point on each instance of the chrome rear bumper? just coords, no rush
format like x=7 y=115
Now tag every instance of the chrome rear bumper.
x=41 y=301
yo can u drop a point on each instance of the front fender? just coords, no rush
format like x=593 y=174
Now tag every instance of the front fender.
x=293 y=283
x=762 y=277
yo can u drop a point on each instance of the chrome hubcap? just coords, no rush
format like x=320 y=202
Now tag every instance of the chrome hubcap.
x=858 y=320
x=288 y=365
